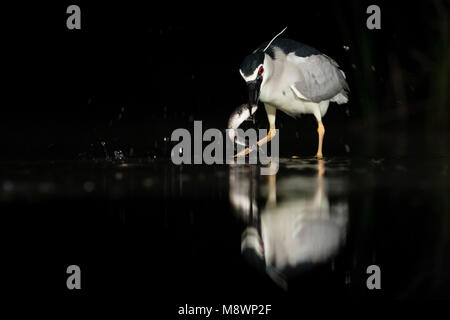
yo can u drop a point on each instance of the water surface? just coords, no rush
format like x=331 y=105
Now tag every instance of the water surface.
x=217 y=234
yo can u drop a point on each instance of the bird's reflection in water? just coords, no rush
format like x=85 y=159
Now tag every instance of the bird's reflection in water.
x=295 y=227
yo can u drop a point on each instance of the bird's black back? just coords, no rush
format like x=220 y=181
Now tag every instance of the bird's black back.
x=288 y=46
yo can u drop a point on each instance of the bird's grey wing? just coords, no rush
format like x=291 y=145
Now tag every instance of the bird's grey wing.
x=319 y=78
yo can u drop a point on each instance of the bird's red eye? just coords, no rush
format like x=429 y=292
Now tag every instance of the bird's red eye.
x=261 y=70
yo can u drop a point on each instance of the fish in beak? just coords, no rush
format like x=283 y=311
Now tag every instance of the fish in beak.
x=241 y=114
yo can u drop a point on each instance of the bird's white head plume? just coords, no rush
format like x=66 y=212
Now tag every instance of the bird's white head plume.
x=274 y=39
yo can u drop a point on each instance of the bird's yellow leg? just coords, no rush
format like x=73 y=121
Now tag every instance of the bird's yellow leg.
x=321 y=132
x=271 y=113
x=272 y=132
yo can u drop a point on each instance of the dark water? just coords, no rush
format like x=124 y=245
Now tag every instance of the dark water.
x=226 y=234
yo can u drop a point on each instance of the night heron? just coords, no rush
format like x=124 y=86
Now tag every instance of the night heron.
x=294 y=78
x=289 y=234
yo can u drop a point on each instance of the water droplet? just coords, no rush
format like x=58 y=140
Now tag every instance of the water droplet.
x=377 y=161
x=103 y=143
x=347 y=148
x=372 y=67
x=346 y=48
x=118 y=155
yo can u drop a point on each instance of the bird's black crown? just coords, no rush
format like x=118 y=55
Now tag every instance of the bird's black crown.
x=251 y=62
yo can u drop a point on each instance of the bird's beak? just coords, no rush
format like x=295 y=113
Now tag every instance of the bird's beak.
x=253 y=93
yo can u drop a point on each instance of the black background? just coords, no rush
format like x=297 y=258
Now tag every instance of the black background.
x=137 y=70
x=168 y=64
